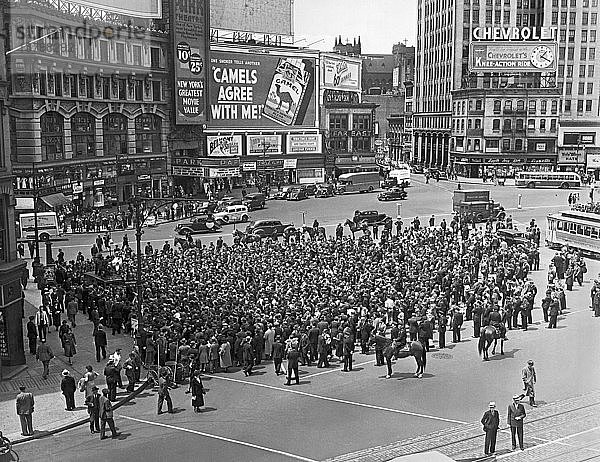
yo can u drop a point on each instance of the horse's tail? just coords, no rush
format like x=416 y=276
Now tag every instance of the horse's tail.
x=481 y=343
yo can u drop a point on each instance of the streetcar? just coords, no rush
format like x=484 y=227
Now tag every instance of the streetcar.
x=563 y=180
x=572 y=228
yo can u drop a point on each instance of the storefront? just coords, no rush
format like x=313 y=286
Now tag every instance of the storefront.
x=502 y=165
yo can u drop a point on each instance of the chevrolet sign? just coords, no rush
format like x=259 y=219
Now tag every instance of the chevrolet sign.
x=511 y=57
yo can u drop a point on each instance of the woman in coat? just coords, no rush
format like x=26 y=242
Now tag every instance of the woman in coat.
x=225 y=355
x=69 y=344
x=56 y=321
x=203 y=355
x=88 y=380
x=269 y=340
x=197 y=392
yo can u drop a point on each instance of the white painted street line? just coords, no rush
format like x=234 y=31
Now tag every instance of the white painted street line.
x=342 y=401
x=329 y=371
x=222 y=438
x=557 y=441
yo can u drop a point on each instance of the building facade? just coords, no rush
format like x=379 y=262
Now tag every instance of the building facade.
x=89 y=105
x=11 y=268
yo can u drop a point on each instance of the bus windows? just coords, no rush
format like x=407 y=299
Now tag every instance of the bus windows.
x=594 y=233
x=559 y=225
x=587 y=231
x=579 y=229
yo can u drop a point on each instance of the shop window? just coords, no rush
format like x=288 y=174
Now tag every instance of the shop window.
x=114 y=129
x=148 y=133
x=52 y=134
x=83 y=135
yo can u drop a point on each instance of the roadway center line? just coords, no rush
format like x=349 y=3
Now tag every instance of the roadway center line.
x=222 y=438
x=329 y=371
x=557 y=441
x=342 y=401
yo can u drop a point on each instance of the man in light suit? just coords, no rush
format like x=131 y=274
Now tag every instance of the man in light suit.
x=490 y=422
x=516 y=414
x=25 y=403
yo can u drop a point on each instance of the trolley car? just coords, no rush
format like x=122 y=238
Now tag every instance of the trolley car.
x=579 y=230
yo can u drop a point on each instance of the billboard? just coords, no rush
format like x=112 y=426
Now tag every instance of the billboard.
x=191 y=42
x=224 y=146
x=133 y=8
x=340 y=73
x=264 y=144
x=258 y=90
x=262 y=16
x=303 y=144
x=510 y=57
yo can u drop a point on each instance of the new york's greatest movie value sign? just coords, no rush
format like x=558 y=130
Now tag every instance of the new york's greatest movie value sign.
x=252 y=90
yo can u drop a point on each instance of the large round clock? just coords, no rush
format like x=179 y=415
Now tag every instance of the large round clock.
x=542 y=56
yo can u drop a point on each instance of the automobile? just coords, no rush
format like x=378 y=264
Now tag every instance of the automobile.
x=200 y=224
x=267 y=228
x=297 y=194
x=207 y=207
x=442 y=175
x=283 y=194
x=325 y=190
x=311 y=189
x=392 y=194
x=231 y=214
x=110 y=201
x=151 y=221
x=389 y=183
x=254 y=201
x=513 y=236
x=370 y=217
x=230 y=200
x=417 y=169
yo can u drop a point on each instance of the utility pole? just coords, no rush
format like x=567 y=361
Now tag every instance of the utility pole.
x=138 y=239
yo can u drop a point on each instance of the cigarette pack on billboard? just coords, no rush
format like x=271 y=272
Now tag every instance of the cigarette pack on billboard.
x=287 y=91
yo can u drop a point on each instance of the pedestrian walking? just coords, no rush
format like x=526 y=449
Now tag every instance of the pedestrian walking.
x=100 y=342
x=457 y=322
x=42 y=321
x=129 y=367
x=110 y=374
x=25 y=406
x=92 y=401
x=293 y=358
x=198 y=392
x=72 y=311
x=69 y=344
x=277 y=354
x=106 y=415
x=32 y=335
x=491 y=422
x=516 y=414
x=68 y=387
x=529 y=378
x=348 y=349
x=88 y=381
x=553 y=312
x=388 y=353
x=163 y=393
x=45 y=355
x=247 y=356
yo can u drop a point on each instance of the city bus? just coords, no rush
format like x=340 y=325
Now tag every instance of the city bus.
x=579 y=230
x=361 y=182
x=564 y=180
x=402 y=174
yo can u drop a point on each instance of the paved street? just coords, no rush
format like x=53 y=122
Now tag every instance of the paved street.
x=331 y=413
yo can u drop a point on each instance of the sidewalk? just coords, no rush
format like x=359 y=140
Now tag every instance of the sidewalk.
x=49 y=402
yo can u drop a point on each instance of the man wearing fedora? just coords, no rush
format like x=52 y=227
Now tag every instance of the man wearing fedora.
x=68 y=387
x=93 y=406
x=516 y=414
x=25 y=403
x=490 y=422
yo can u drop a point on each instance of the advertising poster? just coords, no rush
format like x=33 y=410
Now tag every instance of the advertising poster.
x=252 y=90
x=190 y=39
x=340 y=74
x=298 y=144
x=133 y=8
x=264 y=144
x=224 y=146
x=513 y=56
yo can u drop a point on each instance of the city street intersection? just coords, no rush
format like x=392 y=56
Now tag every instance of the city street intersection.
x=331 y=413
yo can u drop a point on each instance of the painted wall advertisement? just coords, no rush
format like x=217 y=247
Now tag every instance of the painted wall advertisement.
x=251 y=90
x=224 y=146
x=513 y=56
x=340 y=74
x=303 y=144
x=190 y=40
x=264 y=144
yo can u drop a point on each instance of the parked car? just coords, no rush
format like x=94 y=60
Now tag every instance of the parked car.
x=392 y=194
x=267 y=228
x=231 y=214
x=442 y=175
x=283 y=194
x=254 y=201
x=207 y=208
x=513 y=236
x=325 y=190
x=311 y=189
x=230 y=200
x=297 y=194
x=200 y=224
x=417 y=169
x=370 y=217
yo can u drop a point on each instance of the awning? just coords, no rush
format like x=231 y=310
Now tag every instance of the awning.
x=24 y=203
x=56 y=200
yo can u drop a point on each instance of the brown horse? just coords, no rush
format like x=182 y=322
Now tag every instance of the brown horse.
x=417 y=351
x=488 y=335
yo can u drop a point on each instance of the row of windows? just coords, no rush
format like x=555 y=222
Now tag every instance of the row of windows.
x=507 y=126
x=459 y=107
x=474 y=144
x=573 y=228
x=580 y=104
x=567 y=71
x=573 y=3
x=586 y=36
x=115 y=135
x=582 y=88
x=585 y=53
x=571 y=18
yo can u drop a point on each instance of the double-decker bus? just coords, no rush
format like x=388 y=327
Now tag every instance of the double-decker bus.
x=580 y=230
x=564 y=180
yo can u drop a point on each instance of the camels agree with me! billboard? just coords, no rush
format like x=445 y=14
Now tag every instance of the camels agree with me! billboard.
x=258 y=90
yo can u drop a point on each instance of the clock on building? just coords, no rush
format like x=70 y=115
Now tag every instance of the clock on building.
x=542 y=56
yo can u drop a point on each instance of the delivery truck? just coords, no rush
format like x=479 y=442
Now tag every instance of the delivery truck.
x=476 y=203
x=47 y=226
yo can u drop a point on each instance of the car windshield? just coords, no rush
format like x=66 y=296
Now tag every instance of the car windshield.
x=221 y=208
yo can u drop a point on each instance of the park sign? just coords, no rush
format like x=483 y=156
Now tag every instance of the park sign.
x=511 y=57
x=253 y=89
x=190 y=23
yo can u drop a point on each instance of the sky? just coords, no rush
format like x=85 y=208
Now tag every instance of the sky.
x=380 y=23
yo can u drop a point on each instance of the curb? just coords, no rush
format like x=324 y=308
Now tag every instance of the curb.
x=69 y=426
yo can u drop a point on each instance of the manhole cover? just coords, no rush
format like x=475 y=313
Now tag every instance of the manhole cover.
x=441 y=356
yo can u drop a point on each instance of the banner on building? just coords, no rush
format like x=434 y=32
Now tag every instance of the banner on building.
x=290 y=163
x=510 y=57
x=223 y=172
x=338 y=73
x=303 y=144
x=190 y=23
x=257 y=90
x=571 y=156
x=264 y=144
x=224 y=146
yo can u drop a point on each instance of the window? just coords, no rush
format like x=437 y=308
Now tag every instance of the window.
x=148 y=133
x=583 y=54
x=361 y=123
x=496 y=125
x=592 y=54
x=584 y=36
x=571 y=53
x=104 y=51
x=3 y=227
x=114 y=129
x=585 y=18
x=508 y=105
x=507 y=125
x=338 y=122
x=530 y=124
x=588 y=105
x=594 y=18
x=581 y=88
x=554 y=108
x=478 y=105
x=155 y=57
x=592 y=35
x=518 y=145
x=532 y=106
x=497 y=106
x=572 y=35
x=568 y=105
x=555 y=18
x=52 y=134
x=477 y=124
x=121 y=53
x=492 y=144
x=572 y=17
x=579 y=105
x=156 y=90
x=83 y=135
x=506 y=144
x=137 y=55
x=590 y=70
x=122 y=88
x=543 y=106
x=590 y=88
x=519 y=125
x=553 y=125
x=542 y=125
x=569 y=71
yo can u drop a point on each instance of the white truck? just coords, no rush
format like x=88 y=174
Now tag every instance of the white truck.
x=47 y=225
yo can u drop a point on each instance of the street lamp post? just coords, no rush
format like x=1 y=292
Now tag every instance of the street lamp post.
x=138 y=240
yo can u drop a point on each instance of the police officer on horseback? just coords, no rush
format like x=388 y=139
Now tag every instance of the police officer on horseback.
x=496 y=321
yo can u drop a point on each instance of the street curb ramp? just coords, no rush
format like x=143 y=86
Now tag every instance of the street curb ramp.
x=78 y=423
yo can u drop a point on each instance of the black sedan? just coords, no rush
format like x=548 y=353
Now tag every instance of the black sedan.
x=392 y=194
x=200 y=224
